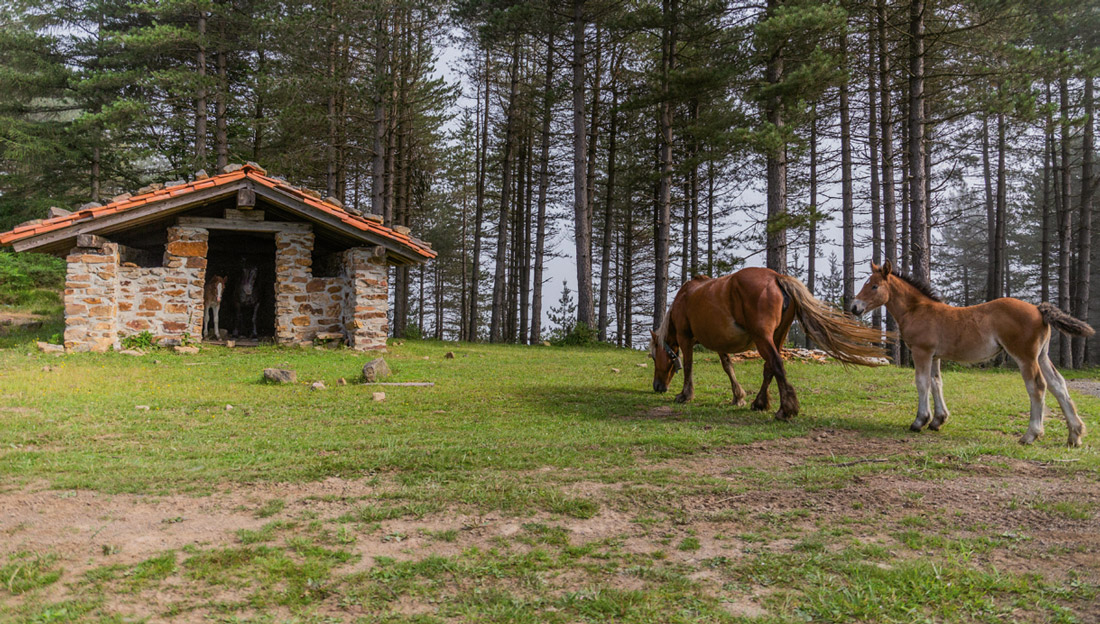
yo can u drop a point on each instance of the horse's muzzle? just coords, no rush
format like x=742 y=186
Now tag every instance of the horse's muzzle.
x=857 y=308
x=659 y=387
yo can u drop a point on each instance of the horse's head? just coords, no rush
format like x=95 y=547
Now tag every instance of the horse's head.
x=666 y=361
x=874 y=292
x=248 y=281
x=218 y=282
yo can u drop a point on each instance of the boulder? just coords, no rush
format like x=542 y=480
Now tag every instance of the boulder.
x=56 y=212
x=375 y=369
x=46 y=347
x=379 y=396
x=137 y=352
x=182 y=350
x=280 y=375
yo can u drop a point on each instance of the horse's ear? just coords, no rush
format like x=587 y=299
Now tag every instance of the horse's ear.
x=887 y=267
x=653 y=333
x=874 y=267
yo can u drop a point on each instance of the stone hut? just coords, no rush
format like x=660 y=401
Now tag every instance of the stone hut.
x=140 y=263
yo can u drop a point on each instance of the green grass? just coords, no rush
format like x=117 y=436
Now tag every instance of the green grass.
x=548 y=440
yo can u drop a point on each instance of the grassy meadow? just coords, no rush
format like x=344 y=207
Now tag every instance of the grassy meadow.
x=531 y=484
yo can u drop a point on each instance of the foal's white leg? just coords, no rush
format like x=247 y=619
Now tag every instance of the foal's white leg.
x=1060 y=391
x=937 y=396
x=922 y=362
x=215 y=311
x=1036 y=390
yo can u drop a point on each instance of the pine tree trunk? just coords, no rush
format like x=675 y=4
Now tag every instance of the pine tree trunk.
x=200 y=98
x=609 y=211
x=663 y=209
x=221 y=124
x=1065 y=226
x=917 y=185
x=694 y=195
x=1084 y=228
x=378 y=160
x=330 y=147
x=581 y=223
x=889 y=203
x=991 y=290
x=479 y=206
x=544 y=184
x=873 y=146
x=1048 y=174
x=1001 y=271
x=811 y=252
x=525 y=261
x=496 y=323
x=95 y=173
x=847 y=207
x=776 y=164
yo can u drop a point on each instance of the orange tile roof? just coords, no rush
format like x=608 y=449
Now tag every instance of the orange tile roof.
x=249 y=172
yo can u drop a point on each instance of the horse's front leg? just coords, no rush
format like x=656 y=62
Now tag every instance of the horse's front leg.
x=937 y=396
x=688 y=391
x=215 y=311
x=255 y=311
x=738 y=391
x=922 y=362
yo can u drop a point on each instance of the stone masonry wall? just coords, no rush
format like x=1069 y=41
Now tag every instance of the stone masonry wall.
x=294 y=321
x=367 y=300
x=91 y=298
x=166 y=301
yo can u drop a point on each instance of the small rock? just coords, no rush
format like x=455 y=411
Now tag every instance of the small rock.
x=228 y=407
x=375 y=369
x=182 y=350
x=156 y=361
x=46 y=347
x=341 y=382
x=546 y=343
x=201 y=174
x=280 y=375
x=56 y=212
x=427 y=357
x=230 y=343
x=132 y=352
x=643 y=365
x=450 y=355
x=142 y=408
x=615 y=370
x=379 y=396
x=46 y=369
x=317 y=385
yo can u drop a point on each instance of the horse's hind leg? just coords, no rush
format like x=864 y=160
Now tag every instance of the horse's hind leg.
x=1036 y=390
x=941 y=413
x=1058 y=388
x=788 y=400
x=688 y=391
x=738 y=391
x=762 y=401
x=922 y=362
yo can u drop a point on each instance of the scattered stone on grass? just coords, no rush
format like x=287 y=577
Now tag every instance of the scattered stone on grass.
x=450 y=355
x=615 y=370
x=230 y=343
x=642 y=365
x=135 y=352
x=46 y=347
x=182 y=350
x=376 y=369
x=341 y=382
x=280 y=375
x=228 y=407
x=142 y=408
x=379 y=396
x=317 y=385
x=546 y=343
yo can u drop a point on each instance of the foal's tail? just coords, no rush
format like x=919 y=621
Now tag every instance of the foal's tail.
x=847 y=340
x=1063 y=322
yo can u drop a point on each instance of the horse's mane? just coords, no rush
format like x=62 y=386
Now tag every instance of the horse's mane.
x=662 y=329
x=922 y=286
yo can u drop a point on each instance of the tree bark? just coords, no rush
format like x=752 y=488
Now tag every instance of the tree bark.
x=1048 y=173
x=496 y=322
x=544 y=184
x=479 y=205
x=663 y=216
x=609 y=210
x=776 y=164
x=200 y=99
x=917 y=185
x=221 y=129
x=581 y=223
x=873 y=147
x=847 y=208
x=992 y=290
x=1084 y=228
x=889 y=204
x=1002 y=212
x=1065 y=226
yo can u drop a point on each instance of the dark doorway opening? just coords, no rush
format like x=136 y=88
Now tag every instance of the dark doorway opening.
x=233 y=255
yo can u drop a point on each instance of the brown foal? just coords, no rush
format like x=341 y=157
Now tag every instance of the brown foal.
x=752 y=308
x=934 y=330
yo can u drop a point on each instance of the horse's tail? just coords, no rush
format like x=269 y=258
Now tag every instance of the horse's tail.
x=1063 y=322
x=845 y=339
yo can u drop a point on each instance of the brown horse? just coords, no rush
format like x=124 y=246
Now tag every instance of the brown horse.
x=934 y=330
x=212 y=305
x=752 y=308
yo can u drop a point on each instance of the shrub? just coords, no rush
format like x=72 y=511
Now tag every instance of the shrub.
x=144 y=340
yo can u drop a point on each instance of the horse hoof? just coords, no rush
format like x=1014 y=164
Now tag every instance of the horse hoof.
x=1029 y=437
x=784 y=416
x=680 y=398
x=915 y=428
x=1074 y=443
x=935 y=425
x=739 y=402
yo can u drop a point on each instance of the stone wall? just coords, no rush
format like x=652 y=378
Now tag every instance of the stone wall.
x=91 y=298
x=105 y=301
x=367 y=300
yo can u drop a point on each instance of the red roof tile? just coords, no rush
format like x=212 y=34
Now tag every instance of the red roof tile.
x=248 y=171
